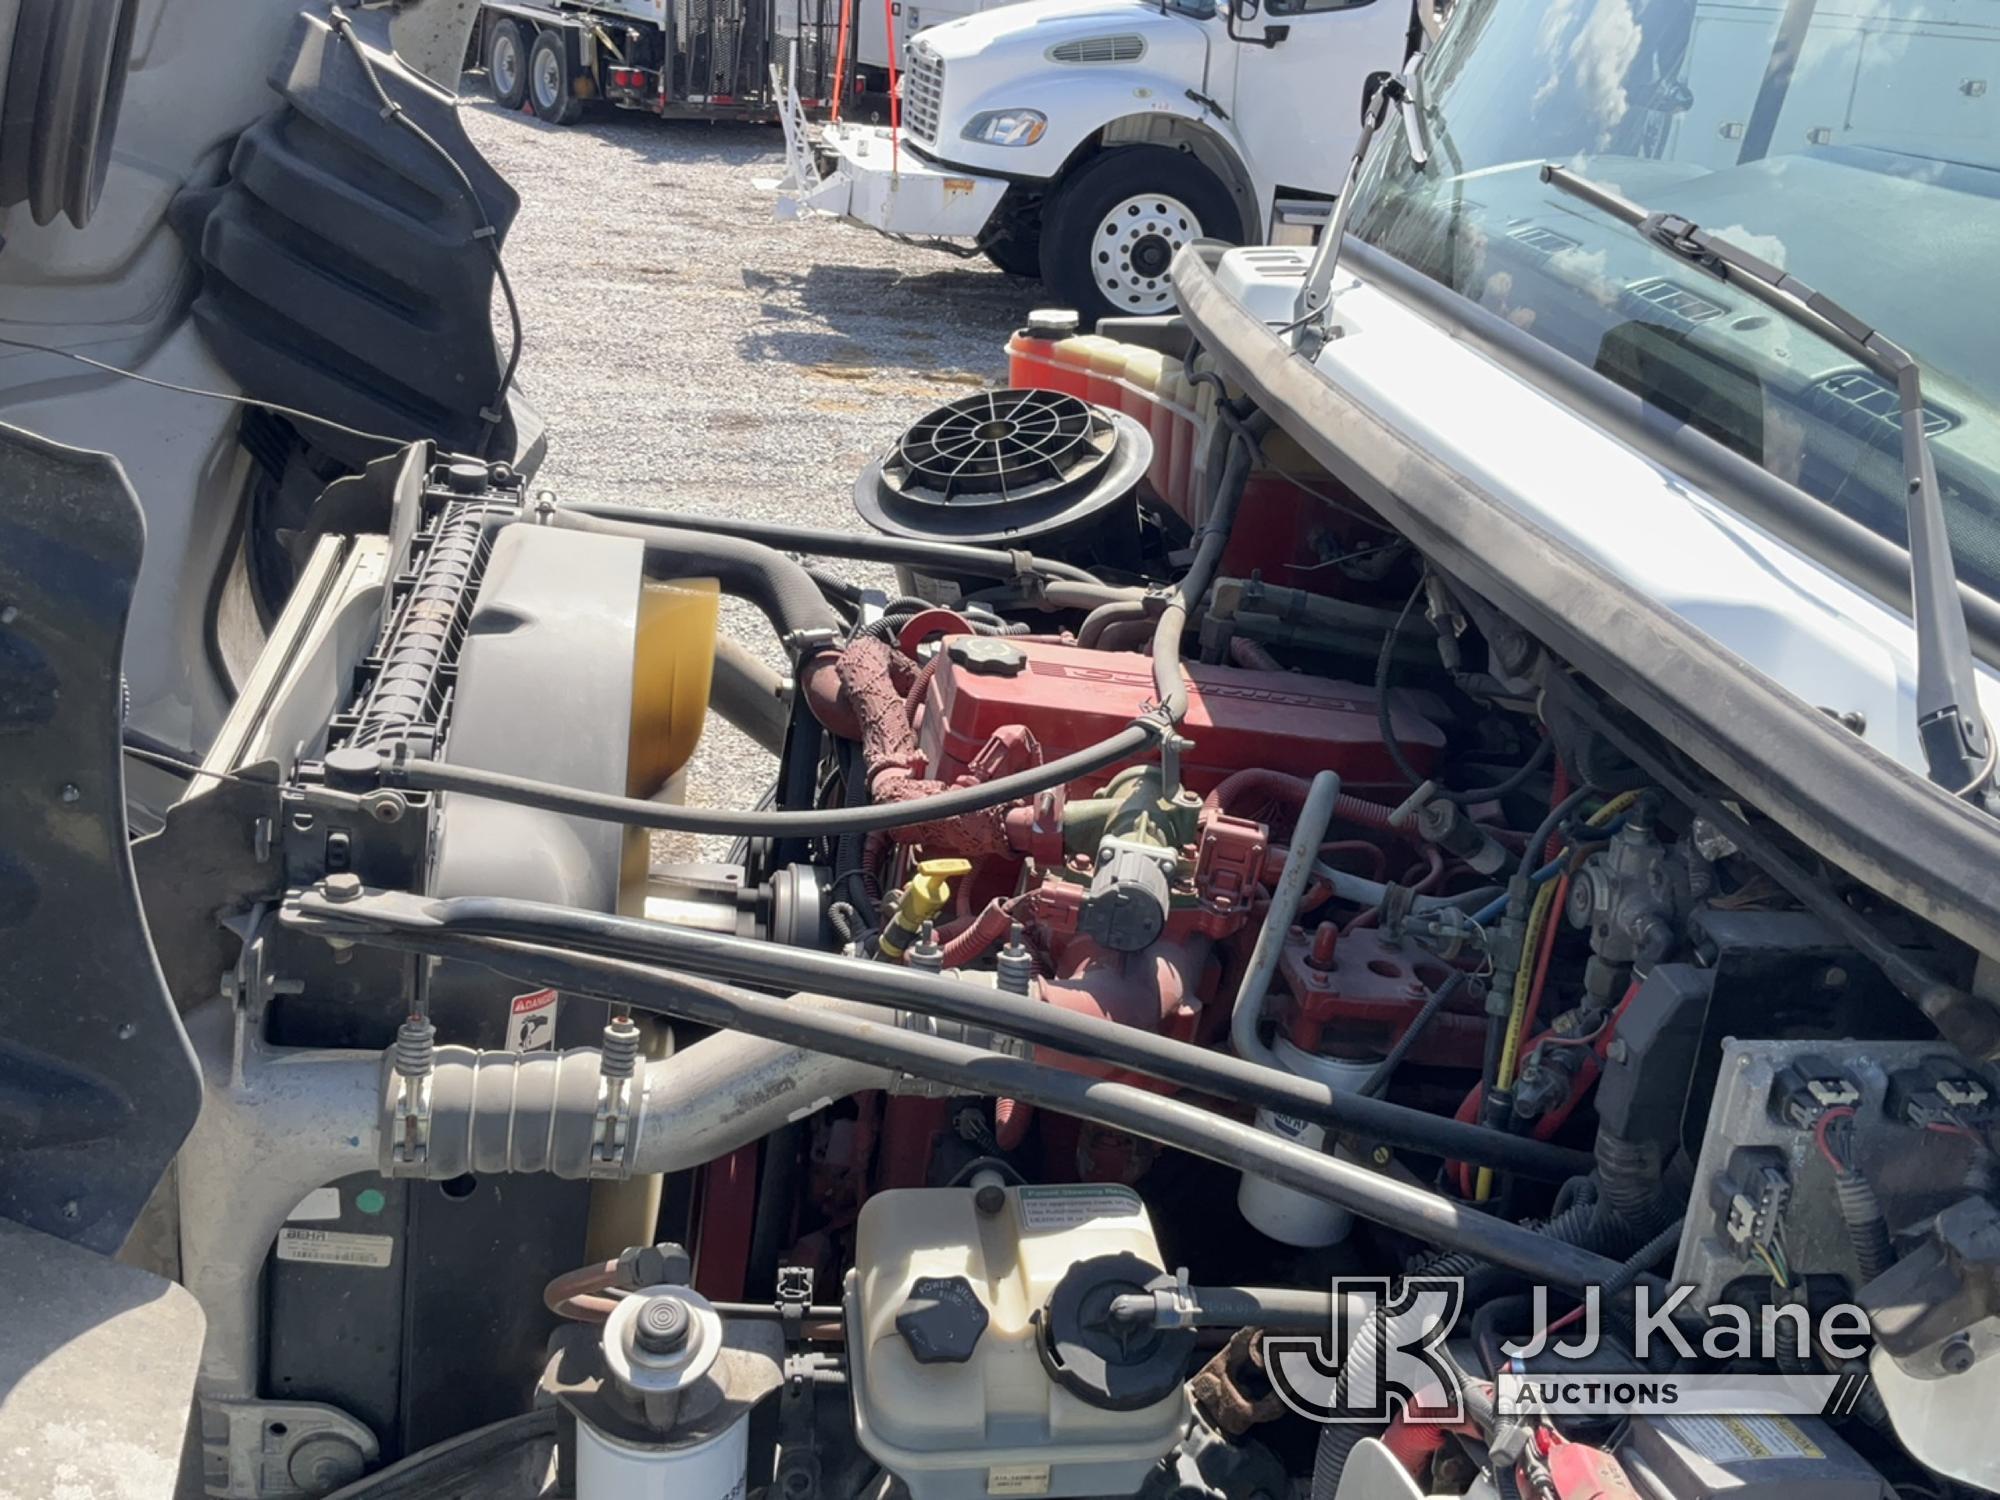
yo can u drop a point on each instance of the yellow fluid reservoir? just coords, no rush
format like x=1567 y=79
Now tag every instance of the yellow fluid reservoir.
x=672 y=662
x=952 y=1393
x=1107 y=371
x=1143 y=371
x=1207 y=433
x=1079 y=355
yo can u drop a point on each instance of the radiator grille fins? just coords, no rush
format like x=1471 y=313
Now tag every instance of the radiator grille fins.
x=923 y=92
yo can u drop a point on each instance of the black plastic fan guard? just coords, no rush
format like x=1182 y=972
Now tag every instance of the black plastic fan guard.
x=1010 y=466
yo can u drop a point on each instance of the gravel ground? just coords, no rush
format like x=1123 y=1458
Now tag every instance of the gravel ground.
x=692 y=353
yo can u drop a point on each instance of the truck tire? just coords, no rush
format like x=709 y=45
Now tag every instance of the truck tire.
x=1113 y=227
x=1017 y=254
x=506 y=64
x=551 y=85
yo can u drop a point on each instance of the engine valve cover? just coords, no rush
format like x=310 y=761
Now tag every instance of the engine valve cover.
x=1070 y=698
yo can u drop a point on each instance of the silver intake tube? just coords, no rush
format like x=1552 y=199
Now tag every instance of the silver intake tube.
x=730 y=1089
x=551 y=1111
x=277 y=1123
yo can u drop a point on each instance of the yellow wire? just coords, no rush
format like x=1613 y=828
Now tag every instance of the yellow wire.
x=1524 y=972
x=1771 y=1265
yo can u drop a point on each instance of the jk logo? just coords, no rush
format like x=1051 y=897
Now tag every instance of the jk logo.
x=1381 y=1355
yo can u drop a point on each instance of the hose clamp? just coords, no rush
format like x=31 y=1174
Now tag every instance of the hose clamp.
x=620 y=1095
x=810 y=641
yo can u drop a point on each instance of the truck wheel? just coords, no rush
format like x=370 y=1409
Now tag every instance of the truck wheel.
x=1113 y=228
x=1017 y=254
x=551 y=89
x=506 y=64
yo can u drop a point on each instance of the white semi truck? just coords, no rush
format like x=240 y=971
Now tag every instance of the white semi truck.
x=1085 y=141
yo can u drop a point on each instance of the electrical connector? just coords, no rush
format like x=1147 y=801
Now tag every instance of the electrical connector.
x=1941 y=1091
x=1751 y=1196
x=1810 y=1087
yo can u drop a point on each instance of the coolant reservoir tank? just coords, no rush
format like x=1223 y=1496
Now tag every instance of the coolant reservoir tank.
x=952 y=1391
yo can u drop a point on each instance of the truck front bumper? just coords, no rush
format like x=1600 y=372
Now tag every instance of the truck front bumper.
x=894 y=191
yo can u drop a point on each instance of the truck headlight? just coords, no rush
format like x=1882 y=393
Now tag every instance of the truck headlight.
x=1007 y=127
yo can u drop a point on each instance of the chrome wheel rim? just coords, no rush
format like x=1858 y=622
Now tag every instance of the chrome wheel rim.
x=1134 y=245
x=506 y=64
x=548 y=80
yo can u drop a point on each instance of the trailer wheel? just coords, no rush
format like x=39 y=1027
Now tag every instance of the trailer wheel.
x=1114 y=227
x=551 y=86
x=506 y=64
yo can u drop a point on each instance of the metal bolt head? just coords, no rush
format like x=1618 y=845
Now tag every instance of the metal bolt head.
x=70 y=792
x=663 y=1326
x=344 y=885
x=1957 y=1356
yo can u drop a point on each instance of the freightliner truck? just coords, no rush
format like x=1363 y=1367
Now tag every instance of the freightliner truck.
x=1086 y=141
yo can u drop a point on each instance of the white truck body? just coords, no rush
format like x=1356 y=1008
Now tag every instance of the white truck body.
x=1265 y=106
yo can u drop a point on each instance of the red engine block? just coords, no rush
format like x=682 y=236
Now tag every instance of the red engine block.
x=1070 y=698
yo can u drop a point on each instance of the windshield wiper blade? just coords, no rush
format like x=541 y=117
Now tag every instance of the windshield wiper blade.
x=1957 y=742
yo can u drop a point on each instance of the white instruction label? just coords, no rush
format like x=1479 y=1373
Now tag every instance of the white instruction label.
x=1065 y=1205
x=331 y=1247
x=1737 y=1439
x=1017 y=1479
x=320 y=1203
x=531 y=1021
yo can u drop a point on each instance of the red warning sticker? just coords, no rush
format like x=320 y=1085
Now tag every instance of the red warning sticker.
x=531 y=1021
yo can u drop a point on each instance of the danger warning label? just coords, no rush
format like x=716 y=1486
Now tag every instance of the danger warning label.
x=531 y=1021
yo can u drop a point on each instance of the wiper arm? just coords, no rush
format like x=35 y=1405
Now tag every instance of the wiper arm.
x=1957 y=742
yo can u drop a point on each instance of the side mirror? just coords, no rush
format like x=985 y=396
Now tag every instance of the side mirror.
x=1246 y=10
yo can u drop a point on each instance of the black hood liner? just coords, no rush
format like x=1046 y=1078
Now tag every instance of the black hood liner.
x=340 y=270
x=98 y=1085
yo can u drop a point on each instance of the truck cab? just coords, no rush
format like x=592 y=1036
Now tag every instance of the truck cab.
x=1086 y=141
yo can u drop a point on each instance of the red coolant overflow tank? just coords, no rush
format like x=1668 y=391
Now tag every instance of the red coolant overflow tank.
x=1031 y=354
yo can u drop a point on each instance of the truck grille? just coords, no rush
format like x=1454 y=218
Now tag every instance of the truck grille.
x=923 y=92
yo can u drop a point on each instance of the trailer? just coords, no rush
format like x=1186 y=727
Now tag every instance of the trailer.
x=679 y=59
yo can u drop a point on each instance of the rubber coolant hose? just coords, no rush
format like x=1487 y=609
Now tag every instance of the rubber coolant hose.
x=1169 y=686
x=863 y=546
x=778 y=585
x=637 y=812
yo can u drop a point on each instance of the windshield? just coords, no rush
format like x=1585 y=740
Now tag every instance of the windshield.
x=1855 y=143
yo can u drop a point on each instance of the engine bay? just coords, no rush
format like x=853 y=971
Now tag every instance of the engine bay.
x=1180 y=910
x=1288 y=957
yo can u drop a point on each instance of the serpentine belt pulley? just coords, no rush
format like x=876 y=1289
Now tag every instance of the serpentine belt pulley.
x=65 y=80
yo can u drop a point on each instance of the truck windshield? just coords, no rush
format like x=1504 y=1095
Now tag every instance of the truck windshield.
x=1854 y=143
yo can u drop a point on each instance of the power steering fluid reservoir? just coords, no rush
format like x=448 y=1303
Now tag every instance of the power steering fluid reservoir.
x=980 y=1351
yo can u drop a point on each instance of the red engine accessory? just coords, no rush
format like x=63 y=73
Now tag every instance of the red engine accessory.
x=1069 y=698
x=1154 y=989
x=872 y=694
x=1578 y=1471
x=1359 y=992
